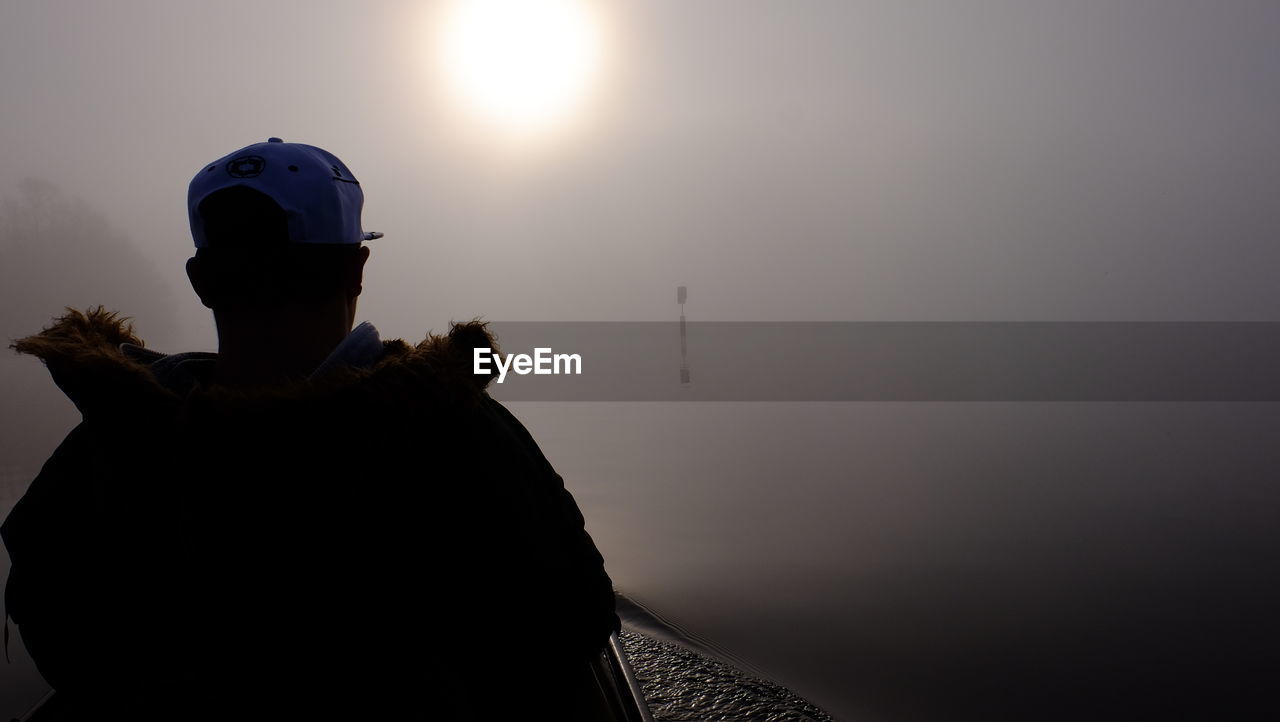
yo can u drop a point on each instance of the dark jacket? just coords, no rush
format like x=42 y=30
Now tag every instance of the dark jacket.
x=381 y=539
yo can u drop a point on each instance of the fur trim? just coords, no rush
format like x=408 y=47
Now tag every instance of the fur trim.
x=95 y=328
x=82 y=352
x=459 y=347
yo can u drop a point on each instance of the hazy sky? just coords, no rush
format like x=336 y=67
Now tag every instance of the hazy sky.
x=1093 y=159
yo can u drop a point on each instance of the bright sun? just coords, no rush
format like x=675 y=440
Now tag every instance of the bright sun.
x=521 y=65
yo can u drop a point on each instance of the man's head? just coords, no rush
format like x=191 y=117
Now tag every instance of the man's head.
x=275 y=222
x=249 y=264
x=319 y=195
x=278 y=240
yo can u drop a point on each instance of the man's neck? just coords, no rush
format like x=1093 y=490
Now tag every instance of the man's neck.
x=275 y=348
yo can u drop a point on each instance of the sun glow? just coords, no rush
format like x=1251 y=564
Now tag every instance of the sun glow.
x=521 y=65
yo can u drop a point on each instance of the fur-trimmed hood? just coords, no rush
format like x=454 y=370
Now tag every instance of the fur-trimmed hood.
x=94 y=358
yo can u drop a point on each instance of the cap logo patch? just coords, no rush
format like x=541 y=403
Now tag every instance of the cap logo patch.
x=246 y=166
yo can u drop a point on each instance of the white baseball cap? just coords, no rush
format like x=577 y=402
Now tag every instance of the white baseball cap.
x=320 y=196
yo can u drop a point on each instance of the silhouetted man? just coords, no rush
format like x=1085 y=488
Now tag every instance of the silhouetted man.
x=311 y=523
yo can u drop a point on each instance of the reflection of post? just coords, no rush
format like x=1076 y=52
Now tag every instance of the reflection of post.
x=681 y=296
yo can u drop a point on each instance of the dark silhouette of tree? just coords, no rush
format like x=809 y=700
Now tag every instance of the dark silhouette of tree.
x=57 y=251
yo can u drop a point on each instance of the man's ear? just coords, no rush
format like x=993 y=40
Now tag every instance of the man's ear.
x=355 y=272
x=198 y=274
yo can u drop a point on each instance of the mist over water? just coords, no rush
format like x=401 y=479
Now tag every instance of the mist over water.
x=821 y=160
x=948 y=560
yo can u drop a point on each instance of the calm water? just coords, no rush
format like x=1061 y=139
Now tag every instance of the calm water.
x=913 y=561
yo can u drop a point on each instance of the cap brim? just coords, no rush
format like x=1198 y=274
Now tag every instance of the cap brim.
x=371 y=235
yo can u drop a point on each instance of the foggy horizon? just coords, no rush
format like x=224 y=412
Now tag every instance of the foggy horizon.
x=828 y=161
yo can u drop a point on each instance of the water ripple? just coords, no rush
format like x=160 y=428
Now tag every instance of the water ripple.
x=682 y=685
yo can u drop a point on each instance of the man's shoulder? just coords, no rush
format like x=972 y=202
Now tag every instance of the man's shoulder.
x=512 y=426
